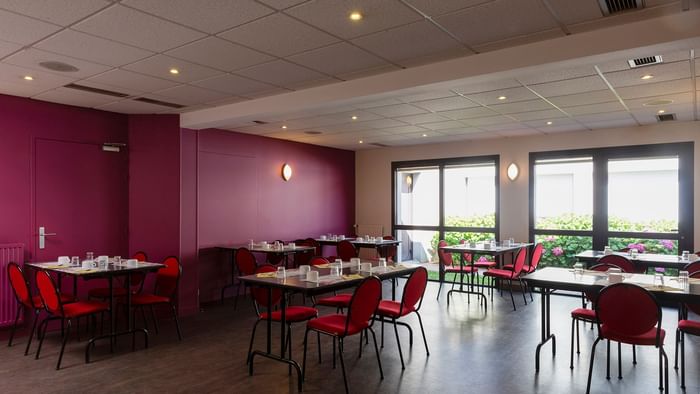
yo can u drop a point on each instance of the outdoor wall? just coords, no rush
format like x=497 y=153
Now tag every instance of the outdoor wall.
x=373 y=168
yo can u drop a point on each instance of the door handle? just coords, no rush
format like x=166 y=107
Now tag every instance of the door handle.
x=42 y=237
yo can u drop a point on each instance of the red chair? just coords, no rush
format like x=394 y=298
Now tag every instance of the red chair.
x=686 y=326
x=511 y=275
x=276 y=259
x=25 y=301
x=245 y=265
x=119 y=290
x=411 y=301
x=630 y=314
x=346 y=250
x=165 y=291
x=305 y=257
x=293 y=314
x=534 y=260
x=359 y=317
x=51 y=299
x=315 y=244
x=691 y=268
x=450 y=267
x=621 y=261
x=388 y=252
x=337 y=301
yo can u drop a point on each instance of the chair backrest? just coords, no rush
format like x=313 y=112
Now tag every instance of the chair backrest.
x=274 y=258
x=519 y=261
x=444 y=257
x=626 y=309
x=245 y=262
x=388 y=252
x=619 y=261
x=536 y=256
x=466 y=256
x=49 y=293
x=303 y=258
x=315 y=244
x=346 y=250
x=168 y=277
x=318 y=260
x=414 y=289
x=19 y=285
x=592 y=295
x=138 y=277
x=140 y=256
x=364 y=302
x=261 y=294
x=694 y=307
x=692 y=267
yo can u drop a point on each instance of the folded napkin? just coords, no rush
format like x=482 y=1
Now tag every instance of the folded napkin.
x=353 y=276
x=266 y=275
x=55 y=265
x=86 y=270
x=323 y=266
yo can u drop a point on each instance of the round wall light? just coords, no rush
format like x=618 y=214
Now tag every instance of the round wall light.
x=513 y=171
x=286 y=172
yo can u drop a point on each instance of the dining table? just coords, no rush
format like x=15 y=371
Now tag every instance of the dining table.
x=643 y=260
x=551 y=279
x=377 y=243
x=295 y=282
x=111 y=271
x=497 y=251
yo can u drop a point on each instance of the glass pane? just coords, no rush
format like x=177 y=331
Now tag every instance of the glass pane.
x=659 y=246
x=417 y=246
x=453 y=238
x=559 y=250
x=470 y=196
x=564 y=194
x=417 y=195
x=643 y=195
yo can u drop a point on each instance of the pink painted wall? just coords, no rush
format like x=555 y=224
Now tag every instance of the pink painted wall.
x=241 y=195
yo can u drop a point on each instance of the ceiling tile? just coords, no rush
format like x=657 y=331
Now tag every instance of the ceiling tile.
x=563 y=128
x=517 y=132
x=609 y=124
x=190 y=95
x=558 y=75
x=537 y=115
x=376 y=103
x=660 y=72
x=404 y=129
x=75 y=97
x=575 y=11
x=621 y=64
x=32 y=57
x=468 y=113
x=7 y=48
x=131 y=80
x=405 y=43
x=278 y=35
x=381 y=124
x=346 y=116
x=391 y=111
x=487 y=121
x=541 y=124
x=656 y=89
x=17 y=88
x=281 y=4
x=220 y=54
x=422 y=118
x=233 y=84
x=439 y=7
x=333 y=16
x=570 y=86
x=211 y=16
x=542 y=35
x=60 y=12
x=602 y=117
x=338 y=59
x=159 y=66
x=118 y=89
x=522 y=106
x=95 y=49
x=280 y=72
x=427 y=95
x=446 y=104
x=132 y=107
x=448 y=124
x=488 y=86
x=595 y=108
x=14 y=75
x=598 y=96
x=648 y=115
x=367 y=72
x=476 y=25
x=23 y=30
x=512 y=95
x=132 y=27
x=677 y=98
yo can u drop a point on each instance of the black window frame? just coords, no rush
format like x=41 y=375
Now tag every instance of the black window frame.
x=600 y=232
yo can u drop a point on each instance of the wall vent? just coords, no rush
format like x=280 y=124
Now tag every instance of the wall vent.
x=94 y=90
x=666 y=117
x=612 y=7
x=645 y=61
x=158 y=102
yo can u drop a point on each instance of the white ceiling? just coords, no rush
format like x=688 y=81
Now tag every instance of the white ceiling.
x=237 y=51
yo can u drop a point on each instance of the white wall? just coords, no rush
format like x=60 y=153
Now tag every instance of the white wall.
x=373 y=168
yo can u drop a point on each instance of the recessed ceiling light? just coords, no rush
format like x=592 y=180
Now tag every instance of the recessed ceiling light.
x=502 y=97
x=354 y=117
x=425 y=135
x=661 y=111
x=361 y=142
x=28 y=78
x=284 y=126
x=549 y=123
x=647 y=76
x=174 y=71
x=355 y=16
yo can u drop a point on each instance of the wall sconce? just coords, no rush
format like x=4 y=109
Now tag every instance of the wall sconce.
x=286 y=172
x=513 y=171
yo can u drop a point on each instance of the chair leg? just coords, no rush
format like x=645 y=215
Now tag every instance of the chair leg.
x=42 y=334
x=252 y=338
x=398 y=343
x=143 y=317
x=382 y=319
x=510 y=289
x=153 y=316
x=359 y=354
x=342 y=363
x=318 y=342
x=177 y=322
x=63 y=345
x=675 y=357
x=438 y=293
x=31 y=334
x=619 y=360
x=634 y=354
x=522 y=289
x=303 y=364
x=682 y=340
x=571 y=362
x=425 y=342
x=333 y=352
x=14 y=326
x=289 y=346
x=590 y=368
x=376 y=350
x=663 y=353
x=607 y=375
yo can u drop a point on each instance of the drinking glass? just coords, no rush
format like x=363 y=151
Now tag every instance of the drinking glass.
x=658 y=280
x=633 y=253
x=303 y=269
x=685 y=255
x=312 y=276
x=578 y=269
x=335 y=271
x=89 y=256
x=683 y=279
x=382 y=262
x=117 y=260
x=281 y=273
x=75 y=260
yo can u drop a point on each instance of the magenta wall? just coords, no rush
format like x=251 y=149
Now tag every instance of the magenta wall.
x=241 y=195
x=22 y=122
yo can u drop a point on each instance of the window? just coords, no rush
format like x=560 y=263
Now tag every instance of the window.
x=449 y=199
x=627 y=197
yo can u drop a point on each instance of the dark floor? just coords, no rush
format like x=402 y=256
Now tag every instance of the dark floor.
x=471 y=351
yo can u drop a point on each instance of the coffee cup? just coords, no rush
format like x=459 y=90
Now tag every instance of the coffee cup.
x=88 y=264
x=312 y=276
x=64 y=260
x=366 y=267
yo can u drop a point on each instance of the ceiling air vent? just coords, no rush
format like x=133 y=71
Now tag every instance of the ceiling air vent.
x=379 y=144
x=645 y=61
x=158 y=102
x=95 y=90
x=259 y=122
x=666 y=117
x=312 y=132
x=612 y=7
